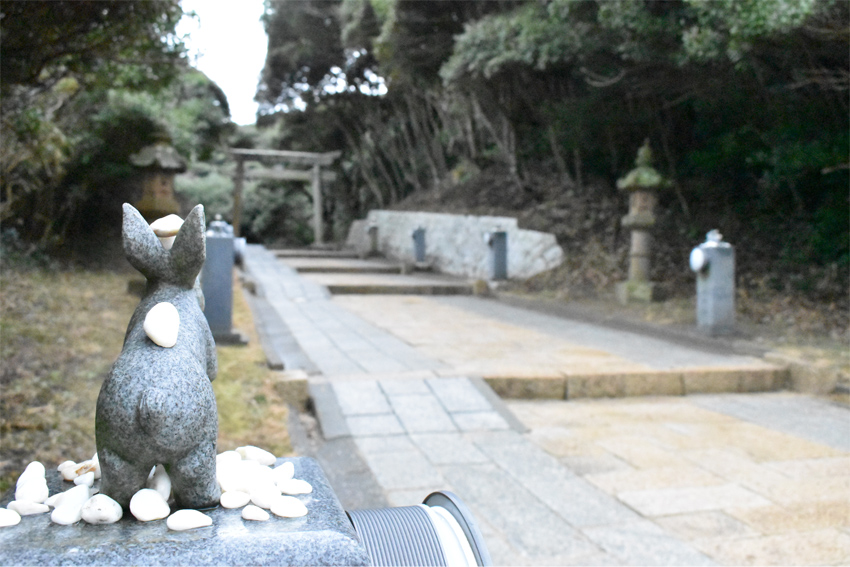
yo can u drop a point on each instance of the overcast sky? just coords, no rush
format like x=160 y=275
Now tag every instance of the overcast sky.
x=228 y=43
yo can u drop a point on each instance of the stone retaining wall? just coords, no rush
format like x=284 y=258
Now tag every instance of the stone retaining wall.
x=456 y=244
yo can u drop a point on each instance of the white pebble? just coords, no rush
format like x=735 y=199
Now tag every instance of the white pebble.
x=228 y=457
x=54 y=500
x=251 y=453
x=265 y=495
x=162 y=324
x=87 y=479
x=167 y=241
x=242 y=475
x=147 y=505
x=34 y=489
x=69 y=473
x=231 y=477
x=295 y=486
x=86 y=467
x=9 y=518
x=58 y=499
x=69 y=510
x=96 y=462
x=167 y=225
x=101 y=509
x=70 y=506
x=187 y=520
x=27 y=508
x=66 y=515
x=258 y=473
x=160 y=481
x=255 y=513
x=284 y=471
x=234 y=499
x=166 y=229
x=34 y=470
x=288 y=507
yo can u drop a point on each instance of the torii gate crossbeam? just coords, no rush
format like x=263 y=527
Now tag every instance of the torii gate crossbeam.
x=314 y=175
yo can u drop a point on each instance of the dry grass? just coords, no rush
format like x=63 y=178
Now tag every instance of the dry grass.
x=250 y=411
x=60 y=331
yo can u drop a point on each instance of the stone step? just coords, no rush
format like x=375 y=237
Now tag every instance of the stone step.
x=314 y=253
x=391 y=284
x=572 y=385
x=342 y=265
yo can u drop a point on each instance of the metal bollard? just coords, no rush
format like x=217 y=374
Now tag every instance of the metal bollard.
x=714 y=263
x=217 y=279
x=418 y=236
x=373 y=240
x=440 y=531
x=498 y=243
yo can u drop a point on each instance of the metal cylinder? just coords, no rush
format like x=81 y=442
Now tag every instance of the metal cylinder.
x=373 y=240
x=714 y=264
x=418 y=236
x=441 y=531
x=498 y=242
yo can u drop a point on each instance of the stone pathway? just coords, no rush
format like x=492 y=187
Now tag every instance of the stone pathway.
x=695 y=480
x=746 y=479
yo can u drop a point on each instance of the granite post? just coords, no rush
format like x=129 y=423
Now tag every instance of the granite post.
x=217 y=282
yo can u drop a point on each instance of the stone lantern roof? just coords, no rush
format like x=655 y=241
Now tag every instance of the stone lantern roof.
x=159 y=156
x=643 y=177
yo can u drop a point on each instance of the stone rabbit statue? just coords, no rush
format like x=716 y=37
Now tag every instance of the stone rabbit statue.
x=157 y=404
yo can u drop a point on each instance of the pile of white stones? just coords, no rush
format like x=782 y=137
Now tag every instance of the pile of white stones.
x=246 y=478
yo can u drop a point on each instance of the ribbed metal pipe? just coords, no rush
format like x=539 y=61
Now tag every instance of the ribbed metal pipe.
x=398 y=536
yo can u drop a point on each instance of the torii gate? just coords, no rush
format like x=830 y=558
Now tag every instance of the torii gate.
x=314 y=175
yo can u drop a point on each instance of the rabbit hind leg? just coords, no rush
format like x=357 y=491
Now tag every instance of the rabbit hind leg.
x=193 y=478
x=120 y=479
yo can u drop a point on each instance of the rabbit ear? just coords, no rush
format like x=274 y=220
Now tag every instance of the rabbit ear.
x=189 y=249
x=141 y=246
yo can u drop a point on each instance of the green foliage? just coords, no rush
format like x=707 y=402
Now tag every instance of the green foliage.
x=120 y=43
x=278 y=213
x=726 y=28
x=69 y=117
x=206 y=186
x=305 y=44
x=744 y=102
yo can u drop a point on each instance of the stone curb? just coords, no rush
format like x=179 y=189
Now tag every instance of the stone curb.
x=391 y=289
x=819 y=378
x=676 y=382
x=800 y=375
x=282 y=350
x=312 y=253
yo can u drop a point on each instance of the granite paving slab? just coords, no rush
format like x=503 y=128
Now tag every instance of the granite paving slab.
x=679 y=473
x=807 y=417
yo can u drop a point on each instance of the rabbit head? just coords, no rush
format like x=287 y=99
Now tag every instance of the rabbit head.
x=181 y=264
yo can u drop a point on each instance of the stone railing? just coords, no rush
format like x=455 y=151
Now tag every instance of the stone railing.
x=457 y=244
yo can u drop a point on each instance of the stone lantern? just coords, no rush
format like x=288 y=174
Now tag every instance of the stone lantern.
x=642 y=184
x=159 y=162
